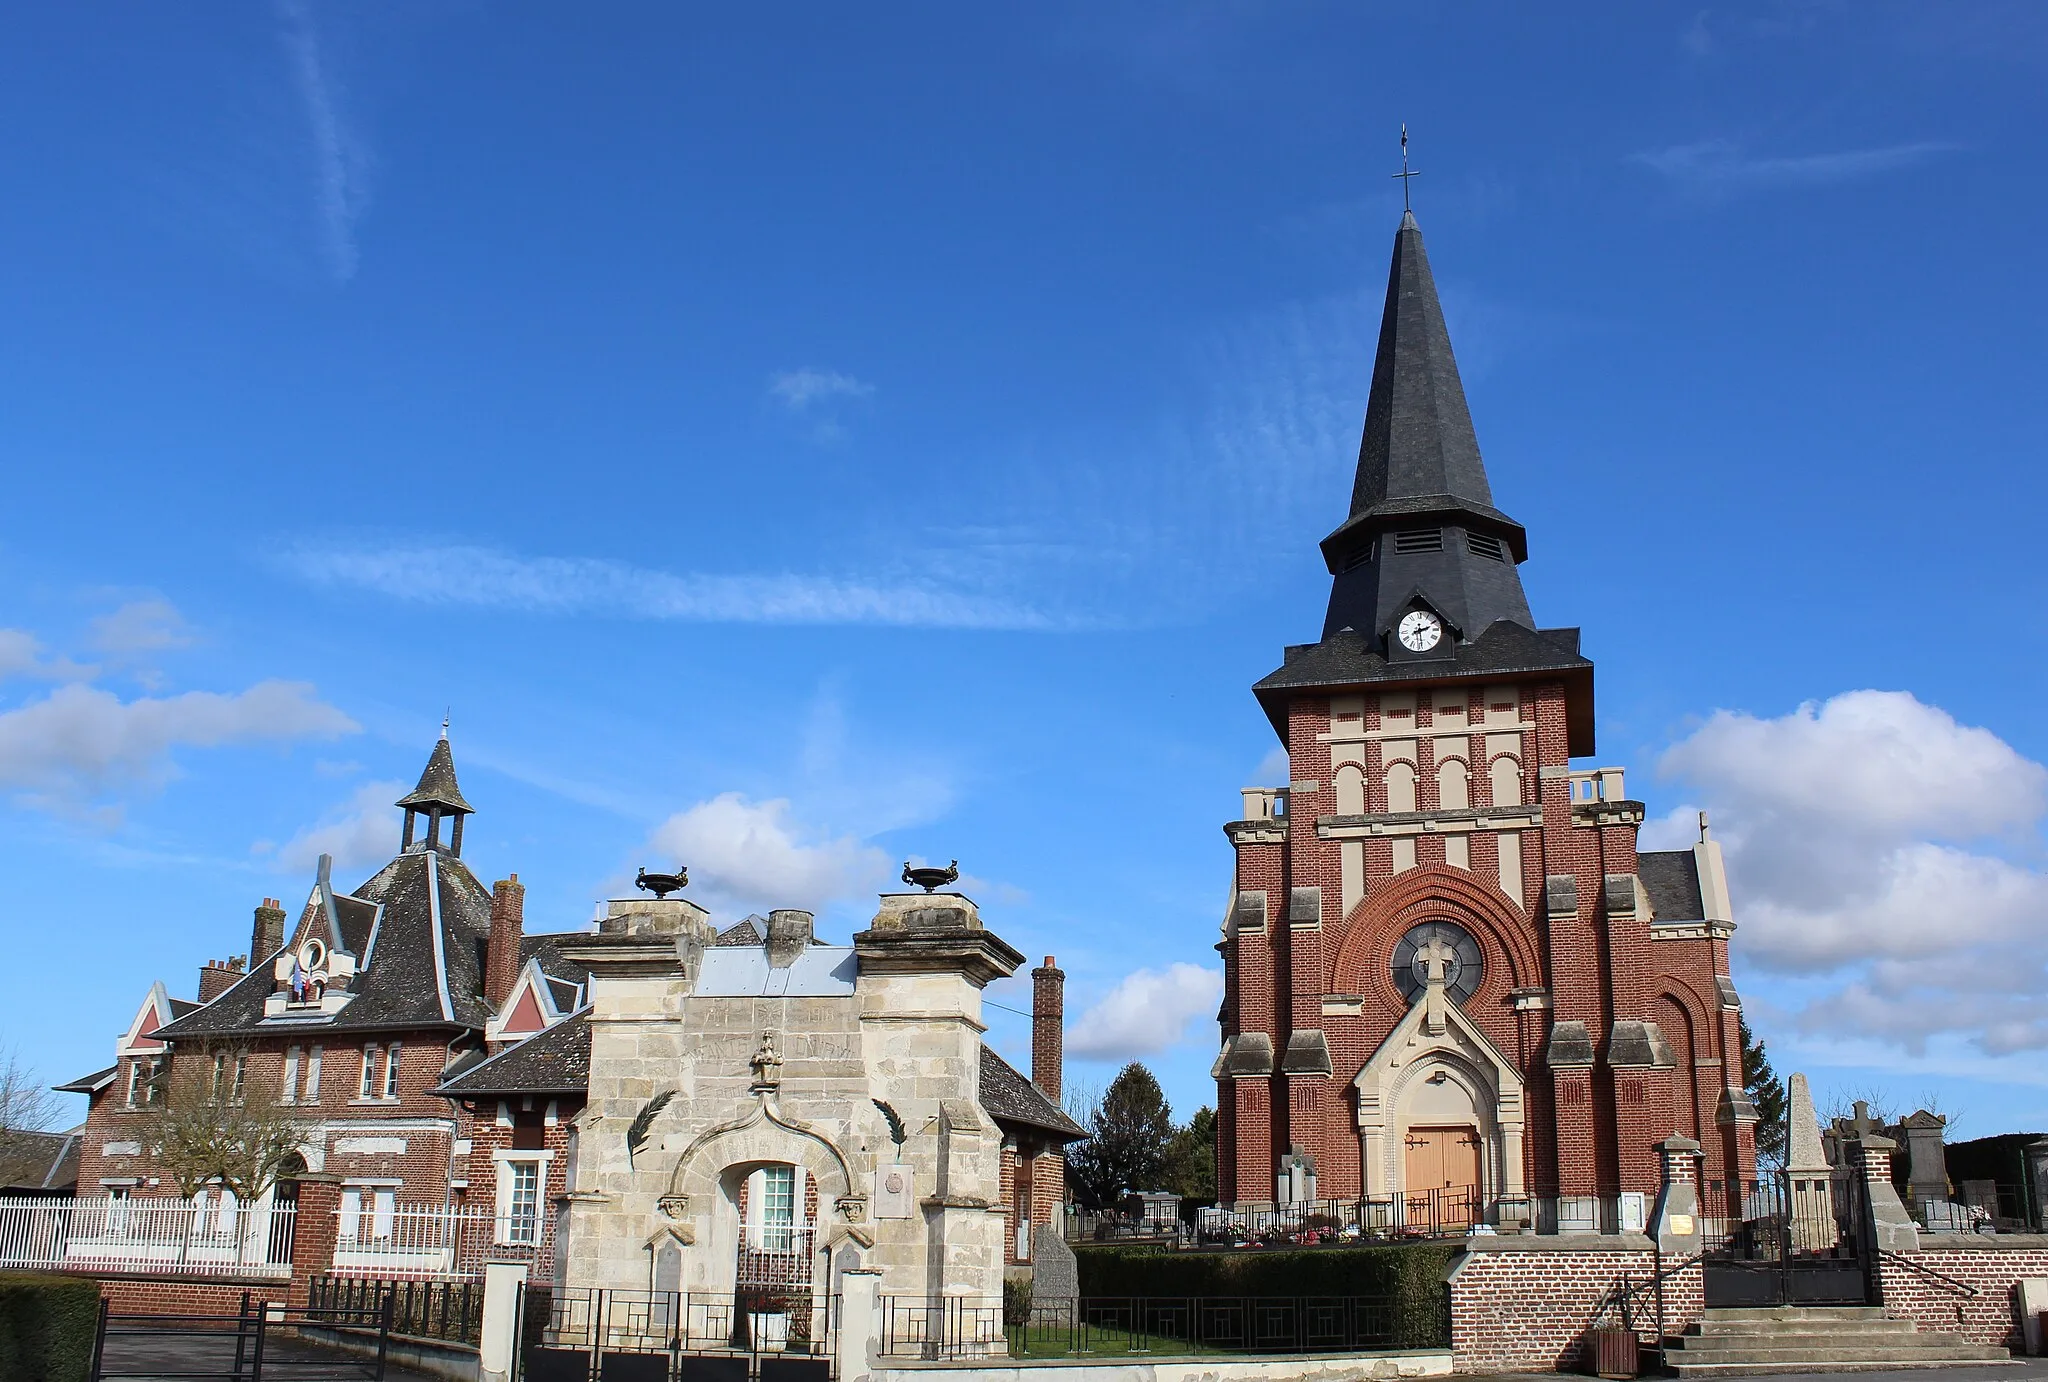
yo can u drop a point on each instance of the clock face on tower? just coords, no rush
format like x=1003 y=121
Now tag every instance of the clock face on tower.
x=1419 y=630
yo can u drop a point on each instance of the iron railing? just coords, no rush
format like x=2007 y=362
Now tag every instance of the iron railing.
x=434 y=1241
x=596 y=1321
x=451 y=1310
x=120 y=1233
x=1119 y=1326
x=1450 y=1212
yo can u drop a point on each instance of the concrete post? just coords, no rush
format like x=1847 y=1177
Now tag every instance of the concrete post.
x=315 y=1224
x=860 y=1322
x=1892 y=1227
x=1676 y=1223
x=497 y=1346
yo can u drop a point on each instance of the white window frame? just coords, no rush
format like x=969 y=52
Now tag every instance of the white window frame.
x=312 y=1094
x=288 y=1092
x=240 y=1088
x=506 y=1157
x=389 y=1088
x=366 y=1088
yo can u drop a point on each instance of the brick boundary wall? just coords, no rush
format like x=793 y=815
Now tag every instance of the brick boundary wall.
x=1526 y=1304
x=1991 y=1264
x=172 y=1295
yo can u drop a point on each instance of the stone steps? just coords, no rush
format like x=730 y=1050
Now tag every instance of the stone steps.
x=1750 y=1341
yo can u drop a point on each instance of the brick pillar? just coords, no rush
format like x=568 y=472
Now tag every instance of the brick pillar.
x=1893 y=1229
x=1676 y=1222
x=313 y=1233
x=501 y=953
x=1048 y=1028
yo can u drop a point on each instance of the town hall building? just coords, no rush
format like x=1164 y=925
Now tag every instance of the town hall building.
x=1454 y=986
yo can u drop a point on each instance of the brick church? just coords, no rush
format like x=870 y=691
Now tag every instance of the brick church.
x=1451 y=977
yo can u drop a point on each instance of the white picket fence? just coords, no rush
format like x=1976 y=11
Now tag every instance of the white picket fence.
x=430 y=1240
x=206 y=1237
x=209 y=1238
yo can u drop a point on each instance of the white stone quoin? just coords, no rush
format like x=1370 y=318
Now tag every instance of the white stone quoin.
x=750 y=1103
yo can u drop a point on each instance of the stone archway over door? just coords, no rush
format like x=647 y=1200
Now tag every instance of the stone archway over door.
x=1452 y=1079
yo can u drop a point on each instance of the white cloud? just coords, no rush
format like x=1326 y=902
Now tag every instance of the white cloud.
x=479 y=577
x=1883 y=851
x=1149 y=1011
x=139 y=627
x=340 y=161
x=1717 y=166
x=798 y=389
x=80 y=741
x=21 y=653
x=362 y=831
x=753 y=856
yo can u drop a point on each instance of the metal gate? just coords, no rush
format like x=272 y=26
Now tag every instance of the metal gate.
x=260 y=1340
x=1787 y=1240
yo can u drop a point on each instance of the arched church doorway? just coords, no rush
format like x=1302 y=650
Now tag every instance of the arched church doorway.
x=1444 y=1173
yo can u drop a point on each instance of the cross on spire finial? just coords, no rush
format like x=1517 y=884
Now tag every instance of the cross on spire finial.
x=1406 y=172
x=444 y=720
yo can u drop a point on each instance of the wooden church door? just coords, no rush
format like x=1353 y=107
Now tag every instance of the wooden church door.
x=1444 y=1161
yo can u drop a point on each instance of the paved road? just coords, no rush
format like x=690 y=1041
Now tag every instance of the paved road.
x=156 y=1356
x=2019 y=1370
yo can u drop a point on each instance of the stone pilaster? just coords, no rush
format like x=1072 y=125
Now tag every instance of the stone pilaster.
x=1676 y=1223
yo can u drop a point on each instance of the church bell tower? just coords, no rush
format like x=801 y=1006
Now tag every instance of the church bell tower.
x=1453 y=985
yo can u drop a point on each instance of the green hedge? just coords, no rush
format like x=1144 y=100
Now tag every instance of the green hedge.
x=1411 y=1273
x=46 y=1327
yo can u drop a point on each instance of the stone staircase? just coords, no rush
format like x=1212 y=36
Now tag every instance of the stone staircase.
x=1813 y=1338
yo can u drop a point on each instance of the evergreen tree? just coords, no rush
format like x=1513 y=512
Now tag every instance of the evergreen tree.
x=1191 y=1159
x=1767 y=1092
x=1128 y=1134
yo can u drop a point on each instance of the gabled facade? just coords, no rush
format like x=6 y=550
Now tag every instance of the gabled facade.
x=350 y=1015
x=1449 y=971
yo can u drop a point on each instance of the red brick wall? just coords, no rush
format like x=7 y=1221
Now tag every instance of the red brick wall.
x=168 y=1295
x=1528 y=1311
x=423 y=1166
x=1598 y=969
x=1989 y=1317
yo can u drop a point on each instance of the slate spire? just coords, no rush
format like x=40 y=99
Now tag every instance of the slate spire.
x=1422 y=519
x=436 y=797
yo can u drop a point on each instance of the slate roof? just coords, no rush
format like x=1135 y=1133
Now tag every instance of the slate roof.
x=418 y=929
x=1008 y=1097
x=437 y=782
x=740 y=933
x=39 y=1162
x=89 y=1084
x=1419 y=468
x=1350 y=658
x=1672 y=879
x=566 y=979
x=556 y=1061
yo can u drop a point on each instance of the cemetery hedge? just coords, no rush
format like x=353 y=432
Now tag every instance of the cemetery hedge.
x=1411 y=1273
x=47 y=1325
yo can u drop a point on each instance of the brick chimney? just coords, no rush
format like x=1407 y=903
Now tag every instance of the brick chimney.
x=501 y=954
x=1048 y=1027
x=268 y=937
x=218 y=976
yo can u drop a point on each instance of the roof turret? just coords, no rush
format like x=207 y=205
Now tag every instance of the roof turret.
x=436 y=797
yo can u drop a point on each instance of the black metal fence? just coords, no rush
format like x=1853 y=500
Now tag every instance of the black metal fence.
x=260 y=1340
x=1443 y=1213
x=1090 y=1326
x=450 y=1310
x=1785 y=1239
x=658 y=1336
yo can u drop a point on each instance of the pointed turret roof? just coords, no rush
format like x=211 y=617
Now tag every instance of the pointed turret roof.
x=1419 y=472
x=437 y=784
x=1423 y=532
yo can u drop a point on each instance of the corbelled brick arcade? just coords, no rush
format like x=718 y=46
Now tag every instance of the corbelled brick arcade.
x=1449 y=971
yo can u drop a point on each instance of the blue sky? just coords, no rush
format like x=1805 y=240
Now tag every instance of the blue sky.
x=797 y=439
